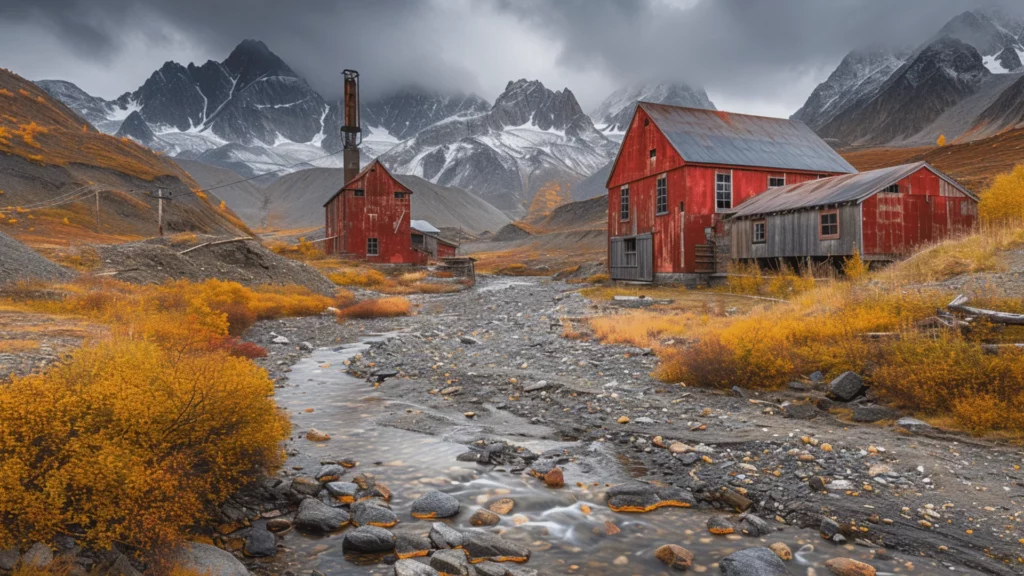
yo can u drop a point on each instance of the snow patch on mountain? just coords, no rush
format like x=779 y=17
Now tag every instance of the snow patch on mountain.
x=612 y=116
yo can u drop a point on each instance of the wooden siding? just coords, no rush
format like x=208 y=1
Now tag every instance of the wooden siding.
x=795 y=235
x=351 y=220
x=621 y=269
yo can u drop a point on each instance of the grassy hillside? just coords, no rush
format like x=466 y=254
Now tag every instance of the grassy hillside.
x=52 y=161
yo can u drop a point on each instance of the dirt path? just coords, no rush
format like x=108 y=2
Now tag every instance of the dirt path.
x=496 y=351
x=30 y=342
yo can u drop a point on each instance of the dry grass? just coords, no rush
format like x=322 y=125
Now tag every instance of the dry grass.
x=971 y=254
x=377 y=308
x=18 y=346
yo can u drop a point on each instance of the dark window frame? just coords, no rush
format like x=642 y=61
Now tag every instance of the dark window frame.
x=763 y=224
x=399 y=195
x=624 y=208
x=825 y=228
x=661 y=196
x=723 y=187
x=629 y=252
x=372 y=247
x=358 y=193
x=653 y=154
x=776 y=184
x=892 y=189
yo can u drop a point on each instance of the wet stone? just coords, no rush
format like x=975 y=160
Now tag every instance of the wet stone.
x=344 y=492
x=828 y=528
x=368 y=540
x=782 y=551
x=913 y=425
x=260 y=543
x=689 y=459
x=554 y=478
x=435 y=504
x=720 y=525
x=484 y=517
x=674 y=496
x=278 y=524
x=315 y=516
x=444 y=536
x=373 y=513
x=330 y=473
x=753 y=562
x=675 y=557
x=486 y=546
x=846 y=386
x=849 y=567
x=306 y=486
x=413 y=568
x=490 y=569
x=501 y=506
x=412 y=546
x=541 y=467
x=752 y=525
x=450 y=562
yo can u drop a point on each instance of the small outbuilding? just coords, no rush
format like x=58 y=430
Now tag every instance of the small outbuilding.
x=426 y=238
x=883 y=214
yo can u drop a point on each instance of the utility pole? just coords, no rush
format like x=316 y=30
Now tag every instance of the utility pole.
x=97 y=210
x=160 y=196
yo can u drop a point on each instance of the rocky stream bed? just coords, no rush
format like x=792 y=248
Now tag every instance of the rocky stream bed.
x=474 y=426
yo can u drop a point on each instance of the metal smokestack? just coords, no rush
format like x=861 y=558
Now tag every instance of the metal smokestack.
x=351 y=133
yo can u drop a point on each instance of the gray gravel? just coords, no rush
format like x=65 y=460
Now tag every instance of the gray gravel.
x=19 y=262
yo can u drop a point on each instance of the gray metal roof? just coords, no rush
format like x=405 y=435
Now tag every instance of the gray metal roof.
x=832 y=191
x=715 y=137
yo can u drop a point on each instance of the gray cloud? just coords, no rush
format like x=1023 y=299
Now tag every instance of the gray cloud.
x=752 y=55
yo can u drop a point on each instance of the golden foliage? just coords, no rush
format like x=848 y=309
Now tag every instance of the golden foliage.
x=18 y=346
x=548 y=197
x=599 y=278
x=785 y=282
x=941 y=141
x=855 y=268
x=379 y=308
x=6 y=92
x=28 y=133
x=1003 y=201
x=304 y=250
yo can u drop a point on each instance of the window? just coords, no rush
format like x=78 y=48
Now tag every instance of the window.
x=893 y=189
x=723 y=191
x=629 y=250
x=662 y=200
x=401 y=195
x=359 y=193
x=624 y=203
x=647 y=121
x=372 y=247
x=828 y=224
x=654 y=154
x=776 y=181
x=759 y=229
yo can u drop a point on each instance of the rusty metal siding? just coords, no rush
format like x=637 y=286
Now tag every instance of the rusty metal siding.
x=376 y=214
x=796 y=235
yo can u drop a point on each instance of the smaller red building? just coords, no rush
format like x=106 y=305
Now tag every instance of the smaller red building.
x=369 y=219
x=883 y=214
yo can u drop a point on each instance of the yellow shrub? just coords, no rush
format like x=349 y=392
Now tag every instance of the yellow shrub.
x=1003 y=202
x=855 y=268
x=128 y=442
x=598 y=278
x=359 y=277
x=380 y=308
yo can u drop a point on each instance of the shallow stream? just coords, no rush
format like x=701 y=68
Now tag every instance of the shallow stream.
x=566 y=528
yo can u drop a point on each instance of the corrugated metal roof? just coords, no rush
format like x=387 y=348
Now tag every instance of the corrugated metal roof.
x=714 y=137
x=831 y=191
x=423 y=226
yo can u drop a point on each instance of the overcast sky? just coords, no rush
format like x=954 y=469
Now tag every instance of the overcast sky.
x=752 y=56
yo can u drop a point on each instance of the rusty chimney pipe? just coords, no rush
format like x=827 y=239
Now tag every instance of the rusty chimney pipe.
x=351 y=133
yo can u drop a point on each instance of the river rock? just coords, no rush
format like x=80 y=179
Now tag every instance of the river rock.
x=260 y=543
x=846 y=386
x=450 y=562
x=800 y=411
x=330 y=473
x=753 y=562
x=368 y=540
x=315 y=516
x=306 y=486
x=828 y=528
x=782 y=551
x=413 y=568
x=9 y=558
x=373 y=513
x=633 y=497
x=315 y=435
x=554 y=478
x=484 y=517
x=38 y=555
x=872 y=413
x=849 y=567
x=486 y=546
x=490 y=569
x=675 y=557
x=279 y=524
x=720 y=525
x=198 y=558
x=444 y=536
x=913 y=425
x=122 y=567
x=412 y=545
x=435 y=504
x=756 y=526
x=501 y=506
x=344 y=492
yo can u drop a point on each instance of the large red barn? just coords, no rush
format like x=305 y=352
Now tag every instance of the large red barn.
x=881 y=214
x=369 y=219
x=680 y=170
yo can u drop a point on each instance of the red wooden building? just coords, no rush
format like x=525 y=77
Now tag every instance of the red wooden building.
x=882 y=214
x=679 y=171
x=369 y=219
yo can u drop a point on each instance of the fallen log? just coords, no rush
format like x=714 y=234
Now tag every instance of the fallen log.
x=959 y=304
x=215 y=243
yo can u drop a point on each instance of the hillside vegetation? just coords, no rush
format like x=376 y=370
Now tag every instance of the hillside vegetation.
x=826 y=325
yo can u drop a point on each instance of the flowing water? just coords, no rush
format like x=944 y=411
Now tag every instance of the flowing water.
x=565 y=528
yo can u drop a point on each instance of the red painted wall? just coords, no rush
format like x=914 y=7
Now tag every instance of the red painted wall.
x=920 y=214
x=690 y=184
x=445 y=251
x=351 y=220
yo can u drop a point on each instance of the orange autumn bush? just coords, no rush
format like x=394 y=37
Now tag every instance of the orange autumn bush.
x=378 y=308
x=131 y=442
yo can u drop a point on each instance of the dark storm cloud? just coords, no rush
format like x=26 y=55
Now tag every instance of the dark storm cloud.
x=770 y=51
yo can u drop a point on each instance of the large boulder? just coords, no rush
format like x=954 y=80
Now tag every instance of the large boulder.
x=38 y=555
x=197 y=558
x=373 y=513
x=450 y=562
x=753 y=562
x=846 y=386
x=486 y=546
x=315 y=516
x=435 y=504
x=260 y=543
x=368 y=540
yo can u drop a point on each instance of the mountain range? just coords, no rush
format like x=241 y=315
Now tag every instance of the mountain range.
x=964 y=82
